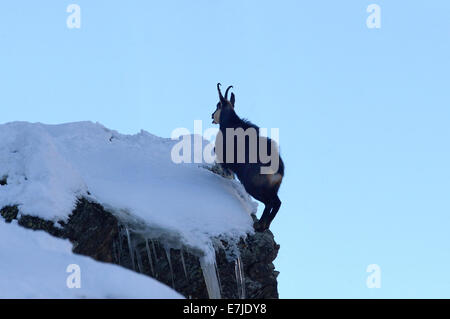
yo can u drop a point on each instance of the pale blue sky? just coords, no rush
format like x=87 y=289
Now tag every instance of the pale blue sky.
x=363 y=114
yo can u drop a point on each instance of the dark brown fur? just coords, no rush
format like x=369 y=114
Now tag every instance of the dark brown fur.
x=263 y=187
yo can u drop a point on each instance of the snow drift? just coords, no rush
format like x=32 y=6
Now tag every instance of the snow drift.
x=34 y=265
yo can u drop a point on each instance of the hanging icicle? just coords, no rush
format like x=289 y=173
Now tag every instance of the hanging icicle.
x=120 y=237
x=149 y=255
x=184 y=264
x=154 y=250
x=218 y=277
x=130 y=247
x=210 y=276
x=139 y=260
x=170 y=265
x=240 y=277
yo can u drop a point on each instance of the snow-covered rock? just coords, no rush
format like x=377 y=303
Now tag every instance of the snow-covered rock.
x=121 y=199
x=48 y=167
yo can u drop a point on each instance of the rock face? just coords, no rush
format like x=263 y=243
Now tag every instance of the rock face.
x=97 y=233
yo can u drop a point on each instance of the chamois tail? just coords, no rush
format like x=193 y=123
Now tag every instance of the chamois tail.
x=275 y=179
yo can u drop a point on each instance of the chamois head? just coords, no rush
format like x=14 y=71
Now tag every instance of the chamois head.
x=223 y=103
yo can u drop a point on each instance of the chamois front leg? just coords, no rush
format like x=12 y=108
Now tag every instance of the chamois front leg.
x=262 y=224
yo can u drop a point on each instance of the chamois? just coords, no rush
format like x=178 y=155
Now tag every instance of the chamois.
x=246 y=161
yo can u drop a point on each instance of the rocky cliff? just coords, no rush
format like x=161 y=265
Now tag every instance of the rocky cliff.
x=97 y=233
x=134 y=201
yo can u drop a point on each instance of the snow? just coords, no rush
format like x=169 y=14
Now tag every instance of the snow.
x=49 y=166
x=34 y=265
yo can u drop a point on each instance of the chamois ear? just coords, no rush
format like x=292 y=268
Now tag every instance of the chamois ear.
x=232 y=99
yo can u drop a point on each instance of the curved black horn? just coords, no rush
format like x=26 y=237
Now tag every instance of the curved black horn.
x=226 y=92
x=220 y=93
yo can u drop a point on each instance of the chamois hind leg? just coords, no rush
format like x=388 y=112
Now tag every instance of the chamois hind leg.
x=276 y=203
x=260 y=225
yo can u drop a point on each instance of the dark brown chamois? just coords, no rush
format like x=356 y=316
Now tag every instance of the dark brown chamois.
x=253 y=158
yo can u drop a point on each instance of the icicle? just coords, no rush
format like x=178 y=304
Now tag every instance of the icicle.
x=130 y=247
x=115 y=252
x=149 y=255
x=154 y=250
x=236 y=276
x=139 y=261
x=120 y=244
x=170 y=265
x=184 y=264
x=218 y=276
x=240 y=277
x=210 y=275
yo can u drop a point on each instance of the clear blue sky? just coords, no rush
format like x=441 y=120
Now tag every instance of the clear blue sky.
x=363 y=114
